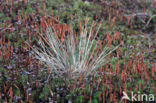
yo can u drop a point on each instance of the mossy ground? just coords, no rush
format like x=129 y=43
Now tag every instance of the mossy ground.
x=24 y=79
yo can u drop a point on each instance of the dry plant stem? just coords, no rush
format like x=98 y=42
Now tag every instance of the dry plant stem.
x=150 y=20
x=8 y=28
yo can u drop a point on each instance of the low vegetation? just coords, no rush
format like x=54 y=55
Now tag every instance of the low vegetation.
x=76 y=51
